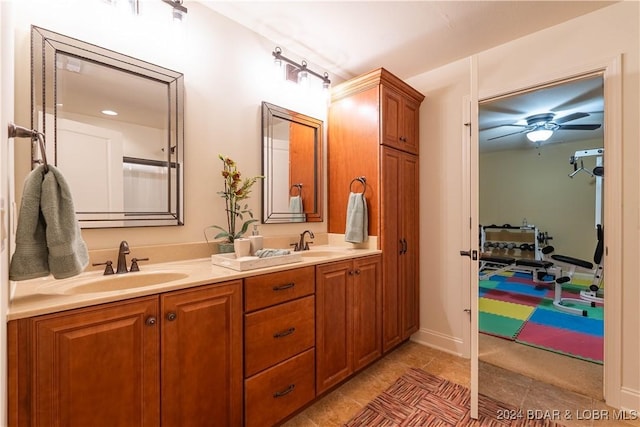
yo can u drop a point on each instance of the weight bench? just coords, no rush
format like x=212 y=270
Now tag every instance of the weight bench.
x=492 y=265
x=568 y=265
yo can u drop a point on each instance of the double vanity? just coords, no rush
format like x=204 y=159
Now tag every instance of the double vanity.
x=192 y=343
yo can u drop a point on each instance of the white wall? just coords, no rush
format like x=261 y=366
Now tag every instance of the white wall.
x=603 y=34
x=6 y=172
x=534 y=184
x=228 y=72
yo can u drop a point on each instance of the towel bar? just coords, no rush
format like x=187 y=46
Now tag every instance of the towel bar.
x=362 y=180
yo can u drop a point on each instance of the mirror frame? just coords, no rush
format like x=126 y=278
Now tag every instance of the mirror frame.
x=271 y=112
x=45 y=46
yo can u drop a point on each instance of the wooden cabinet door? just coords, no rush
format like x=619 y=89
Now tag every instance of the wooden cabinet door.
x=399 y=243
x=97 y=366
x=400 y=118
x=367 y=311
x=333 y=324
x=202 y=356
x=409 y=259
x=392 y=246
x=391 y=118
x=410 y=129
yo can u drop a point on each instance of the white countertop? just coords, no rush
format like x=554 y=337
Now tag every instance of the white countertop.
x=48 y=295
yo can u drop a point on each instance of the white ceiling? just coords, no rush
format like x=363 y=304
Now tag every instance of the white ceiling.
x=348 y=38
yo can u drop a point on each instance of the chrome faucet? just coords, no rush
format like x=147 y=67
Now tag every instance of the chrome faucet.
x=122 y=257
x=302 y=245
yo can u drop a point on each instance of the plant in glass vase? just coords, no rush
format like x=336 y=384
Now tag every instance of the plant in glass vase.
x=236 y=189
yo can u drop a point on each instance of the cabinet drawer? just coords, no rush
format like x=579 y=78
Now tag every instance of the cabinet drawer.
x=270 y=289
x=277 y=333
x=276 y=393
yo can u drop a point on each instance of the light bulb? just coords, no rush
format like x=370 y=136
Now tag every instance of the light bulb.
x=539 y=135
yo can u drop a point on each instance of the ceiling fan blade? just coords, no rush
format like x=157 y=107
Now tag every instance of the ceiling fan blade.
x=494 y=126
x=580 y=127
x=568 y=118
x=508 y=134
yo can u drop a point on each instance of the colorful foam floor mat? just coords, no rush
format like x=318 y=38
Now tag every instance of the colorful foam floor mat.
x=513 y=307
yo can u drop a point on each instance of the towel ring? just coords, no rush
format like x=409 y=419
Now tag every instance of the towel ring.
x=299 y=187
x=362 y=180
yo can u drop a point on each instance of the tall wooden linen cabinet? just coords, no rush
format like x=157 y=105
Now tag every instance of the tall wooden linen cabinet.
x=373 y=133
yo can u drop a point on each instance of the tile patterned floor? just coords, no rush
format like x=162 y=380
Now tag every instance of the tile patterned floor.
x=340 y=405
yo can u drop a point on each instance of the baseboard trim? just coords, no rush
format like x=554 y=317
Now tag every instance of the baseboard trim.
x=447 y=343
x=630 y=402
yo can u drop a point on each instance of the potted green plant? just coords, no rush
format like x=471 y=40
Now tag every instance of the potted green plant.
x=236 y=189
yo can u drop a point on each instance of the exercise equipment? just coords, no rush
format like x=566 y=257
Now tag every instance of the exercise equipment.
x=567 y=267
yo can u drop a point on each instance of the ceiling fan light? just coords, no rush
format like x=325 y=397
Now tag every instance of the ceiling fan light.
x=539 y=135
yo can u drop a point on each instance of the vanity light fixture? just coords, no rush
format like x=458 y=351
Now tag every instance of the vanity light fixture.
x=300 y=71
x=178 y=9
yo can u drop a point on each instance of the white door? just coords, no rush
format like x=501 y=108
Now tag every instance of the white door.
x=95 y=186
x=470 y=241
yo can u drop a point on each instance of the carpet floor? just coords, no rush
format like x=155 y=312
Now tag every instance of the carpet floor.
x=422 y=399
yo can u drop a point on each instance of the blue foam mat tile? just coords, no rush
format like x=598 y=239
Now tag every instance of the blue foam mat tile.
x=558 y=319
x=522 y=288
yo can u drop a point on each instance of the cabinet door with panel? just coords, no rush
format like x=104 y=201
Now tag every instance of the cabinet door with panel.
x=202 y=356
x=400 y=118
x=96 y=366
x=348 y=318
x=399 y=243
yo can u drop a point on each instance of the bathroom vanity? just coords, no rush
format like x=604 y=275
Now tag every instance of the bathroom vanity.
x=238 y=347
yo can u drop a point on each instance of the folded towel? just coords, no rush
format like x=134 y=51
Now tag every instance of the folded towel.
x=357 y=221
x=48 y=237
x=68 y=255
x=264 y=253
x=296 y=209
x=29 y=260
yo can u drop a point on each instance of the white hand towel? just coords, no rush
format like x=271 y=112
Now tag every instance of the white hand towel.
x=296 y=209
x=357 y=219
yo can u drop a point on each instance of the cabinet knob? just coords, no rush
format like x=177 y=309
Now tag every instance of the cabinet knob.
x=151 y=320
x=171 y=316
x=357 y=271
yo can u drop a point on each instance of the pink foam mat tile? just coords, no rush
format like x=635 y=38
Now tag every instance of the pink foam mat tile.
x=583 y=346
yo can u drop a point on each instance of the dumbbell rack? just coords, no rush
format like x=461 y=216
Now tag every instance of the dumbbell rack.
x=511 y=241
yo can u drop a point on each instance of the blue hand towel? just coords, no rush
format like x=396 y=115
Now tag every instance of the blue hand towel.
x=357 y=219
x=296 y=209
x=48 y=237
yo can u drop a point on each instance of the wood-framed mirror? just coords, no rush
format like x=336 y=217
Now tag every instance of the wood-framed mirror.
x=292 y=166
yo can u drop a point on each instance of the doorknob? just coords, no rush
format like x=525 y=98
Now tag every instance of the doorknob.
x=471 y=254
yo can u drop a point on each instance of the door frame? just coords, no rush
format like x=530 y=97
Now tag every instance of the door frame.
x=611 y=69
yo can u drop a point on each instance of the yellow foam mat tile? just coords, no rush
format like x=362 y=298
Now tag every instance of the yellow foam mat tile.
x=507 y=309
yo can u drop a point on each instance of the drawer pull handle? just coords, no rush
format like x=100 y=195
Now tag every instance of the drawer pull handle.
x=283 y=287
x=284 y=392
x=284 y=333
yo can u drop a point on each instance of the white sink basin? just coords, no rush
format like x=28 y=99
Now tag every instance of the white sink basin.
x=118 y=282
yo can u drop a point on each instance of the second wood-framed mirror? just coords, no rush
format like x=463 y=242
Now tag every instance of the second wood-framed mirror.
x=292 y=166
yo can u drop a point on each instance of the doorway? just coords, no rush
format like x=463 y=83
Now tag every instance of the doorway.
x=534 y=194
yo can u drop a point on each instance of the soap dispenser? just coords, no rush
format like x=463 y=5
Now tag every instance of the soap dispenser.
x=256 y=240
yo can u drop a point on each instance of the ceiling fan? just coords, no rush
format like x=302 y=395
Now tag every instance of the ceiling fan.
x=540 y=127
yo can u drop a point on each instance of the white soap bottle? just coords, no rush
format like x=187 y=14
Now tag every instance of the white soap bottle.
x=256 y=240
